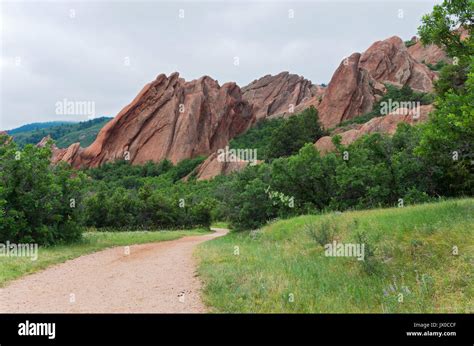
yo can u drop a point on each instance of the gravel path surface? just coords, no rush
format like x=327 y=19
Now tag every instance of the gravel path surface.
x=153 y=277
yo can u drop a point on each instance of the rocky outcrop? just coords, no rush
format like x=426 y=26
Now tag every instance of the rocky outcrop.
x=7 y=139
x=388 y=61
x=213 y=167
x=44 y=141
x=70 y=155
x=359 y=80
x=351 y=92
x=429 y=54
x=280 y=95
x=170 y=118
x=385 y=124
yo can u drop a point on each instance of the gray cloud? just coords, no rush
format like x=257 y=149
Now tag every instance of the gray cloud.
x=82 y=58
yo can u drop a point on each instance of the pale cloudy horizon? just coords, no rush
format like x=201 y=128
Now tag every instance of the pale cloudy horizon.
x=54 y=50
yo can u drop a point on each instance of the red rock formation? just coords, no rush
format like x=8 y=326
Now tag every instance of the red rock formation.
x=429 y=54
x=170 y=118
x=385 y=124
x=44 y=141
x=8 y=138
x=212 y=167
x=389 y=61
x=174 y=119
x=351 y=92
x=281 y=95
x=71 y=154
x=359 y=79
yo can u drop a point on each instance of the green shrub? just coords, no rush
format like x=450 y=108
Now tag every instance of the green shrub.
x=370 y=265
x=322 y=231
x=294 y=133
x=436 y=67
x=281 y=137
x=409 y=43
x=39 y=202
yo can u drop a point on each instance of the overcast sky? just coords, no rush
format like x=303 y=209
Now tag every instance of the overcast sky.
x=104 y=52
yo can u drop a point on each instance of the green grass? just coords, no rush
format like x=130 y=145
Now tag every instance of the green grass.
x=220 y=224
x=14 y=267
x=412 y=256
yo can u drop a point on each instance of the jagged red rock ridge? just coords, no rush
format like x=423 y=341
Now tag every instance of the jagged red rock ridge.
x=281 y=95
x=359 y=80
x=175 y=119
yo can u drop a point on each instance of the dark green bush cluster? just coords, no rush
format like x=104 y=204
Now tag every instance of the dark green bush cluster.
x=282 y=136
x=438 y=66
x=409 y=43
x=375 y=171
x=148 y=196
x=146 y=209
x=38 y=202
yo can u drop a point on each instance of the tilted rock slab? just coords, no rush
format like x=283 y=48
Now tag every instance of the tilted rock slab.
x=212 y=167
x=169 y=119
x=359 y=80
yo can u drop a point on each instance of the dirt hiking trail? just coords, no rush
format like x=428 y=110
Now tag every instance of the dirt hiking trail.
x=154 y=277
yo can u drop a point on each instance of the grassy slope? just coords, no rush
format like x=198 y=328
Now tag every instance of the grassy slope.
x=14 y=267
x=283 y=259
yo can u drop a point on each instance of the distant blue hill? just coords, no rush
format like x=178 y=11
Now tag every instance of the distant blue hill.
x=64 y=133
x=38 y=126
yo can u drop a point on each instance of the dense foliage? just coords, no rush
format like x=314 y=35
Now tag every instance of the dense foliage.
x=282 y=136
x=38 y=202
x=143 y=197
x=444 y=27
